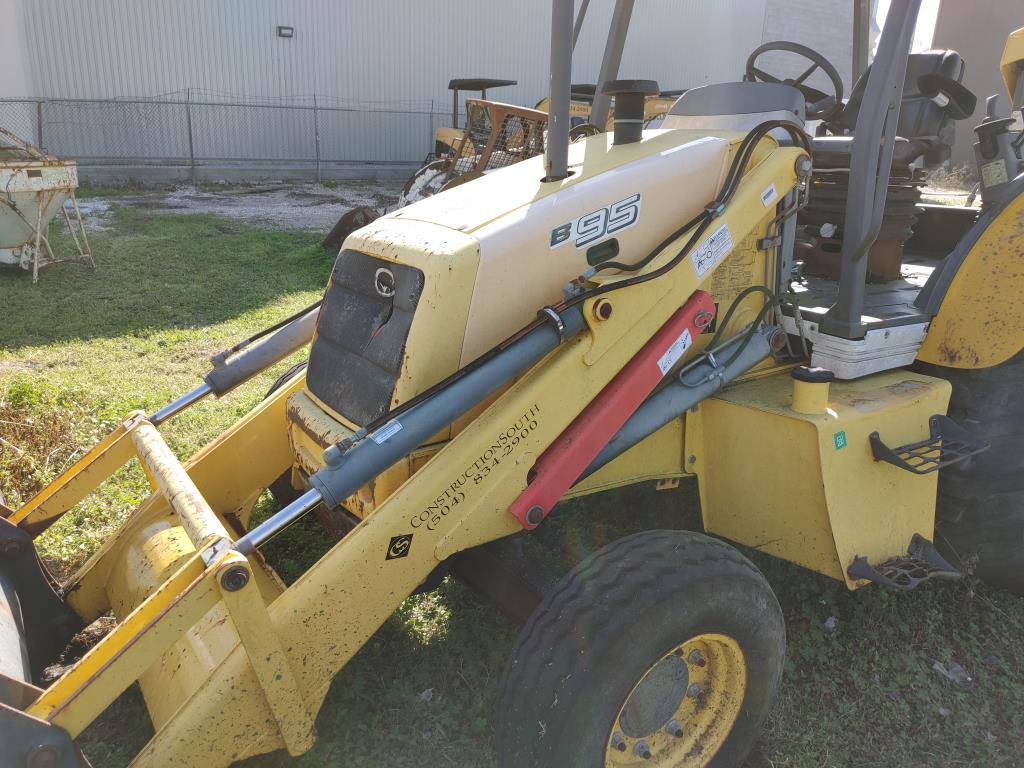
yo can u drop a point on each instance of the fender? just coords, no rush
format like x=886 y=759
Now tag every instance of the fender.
x=976 y=296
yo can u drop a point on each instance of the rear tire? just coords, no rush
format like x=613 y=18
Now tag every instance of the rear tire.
x=635 y=612
x=980 y=513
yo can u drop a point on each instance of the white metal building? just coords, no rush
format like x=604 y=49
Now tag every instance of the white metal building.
x=388 y=50
x=394 y=55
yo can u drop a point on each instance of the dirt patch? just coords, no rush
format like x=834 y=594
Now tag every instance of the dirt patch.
x=301 y=206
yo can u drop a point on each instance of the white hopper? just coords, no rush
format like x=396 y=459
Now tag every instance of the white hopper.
x=34 y=188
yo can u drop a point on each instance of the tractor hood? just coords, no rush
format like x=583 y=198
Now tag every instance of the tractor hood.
x=501 y=192
x=473 y=264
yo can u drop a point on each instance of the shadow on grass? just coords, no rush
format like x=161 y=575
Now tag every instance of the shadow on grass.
x=165 y=271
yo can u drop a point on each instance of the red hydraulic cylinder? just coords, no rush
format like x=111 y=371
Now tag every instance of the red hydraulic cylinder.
x=565 y=459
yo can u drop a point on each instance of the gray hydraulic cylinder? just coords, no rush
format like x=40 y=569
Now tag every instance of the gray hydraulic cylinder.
x=695 y=382
x=347 y=471
x=277 y=346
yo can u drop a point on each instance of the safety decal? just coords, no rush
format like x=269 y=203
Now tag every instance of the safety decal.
x=994 y=173
x=839 y=438
x=769 y=195
x=386 y=432
x=399 y=546
x=675 y=351
x=595 y=225
x=712 y=251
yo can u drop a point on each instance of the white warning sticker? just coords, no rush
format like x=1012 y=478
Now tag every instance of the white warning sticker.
x=675 y=351
x=994 y=173
x=712 y=251
x=769 y=195
x=386 y=432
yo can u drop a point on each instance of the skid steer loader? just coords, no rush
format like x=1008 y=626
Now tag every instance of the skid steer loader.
x=617 y=310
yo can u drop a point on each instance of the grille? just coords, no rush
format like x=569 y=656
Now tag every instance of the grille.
x=359 y=348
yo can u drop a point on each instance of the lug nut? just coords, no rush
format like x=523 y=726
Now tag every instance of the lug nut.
x=642 y=750
x=234 y=578
x=675 y=728
x=694 y=690
x=696 y=657
x=619 y=741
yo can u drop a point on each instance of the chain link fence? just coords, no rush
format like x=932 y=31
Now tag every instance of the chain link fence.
x=198 y=130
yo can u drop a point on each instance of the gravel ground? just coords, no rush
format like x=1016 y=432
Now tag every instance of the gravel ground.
x=275 y=206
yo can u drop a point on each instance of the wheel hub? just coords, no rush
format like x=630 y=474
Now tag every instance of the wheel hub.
x=682 y=709
x=655 y=700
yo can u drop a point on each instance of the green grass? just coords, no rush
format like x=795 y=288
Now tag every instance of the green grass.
x=87 y=347
x=81 y=349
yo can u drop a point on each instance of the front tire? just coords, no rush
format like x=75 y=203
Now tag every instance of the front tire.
x=663 y=648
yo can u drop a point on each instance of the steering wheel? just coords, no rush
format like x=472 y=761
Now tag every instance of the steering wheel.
x=820 y=105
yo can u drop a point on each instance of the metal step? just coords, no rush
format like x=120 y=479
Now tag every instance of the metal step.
x=922 y=562
x=949 y=443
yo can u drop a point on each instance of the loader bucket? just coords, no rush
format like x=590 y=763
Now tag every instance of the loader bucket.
x=13 y=650
x=186 y=603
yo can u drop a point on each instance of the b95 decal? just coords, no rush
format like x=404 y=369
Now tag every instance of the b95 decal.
x=593 y=226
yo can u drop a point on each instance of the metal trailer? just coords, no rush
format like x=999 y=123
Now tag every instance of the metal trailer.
x=36 y=188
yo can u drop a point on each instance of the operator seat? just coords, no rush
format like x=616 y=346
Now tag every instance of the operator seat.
x=926 y=126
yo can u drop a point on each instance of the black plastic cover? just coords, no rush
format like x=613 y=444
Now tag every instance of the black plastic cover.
x=357 y=354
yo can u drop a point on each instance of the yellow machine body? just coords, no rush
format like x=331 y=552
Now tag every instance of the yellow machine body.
x=1011 y=63
x=233 y=671
x=819 y=497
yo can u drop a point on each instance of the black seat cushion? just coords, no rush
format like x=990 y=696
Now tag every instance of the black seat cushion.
x=919 y=115
x=925 y=128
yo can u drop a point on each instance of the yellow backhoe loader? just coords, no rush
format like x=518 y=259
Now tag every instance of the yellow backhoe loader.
x=626 y=308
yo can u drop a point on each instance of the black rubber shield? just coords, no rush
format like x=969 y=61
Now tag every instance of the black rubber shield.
x=359 y=347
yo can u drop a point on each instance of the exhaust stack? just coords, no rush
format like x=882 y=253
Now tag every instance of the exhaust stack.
x=629 y=107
